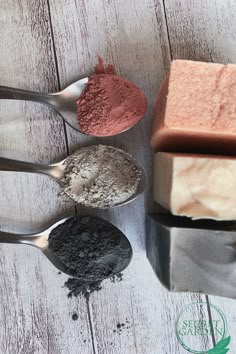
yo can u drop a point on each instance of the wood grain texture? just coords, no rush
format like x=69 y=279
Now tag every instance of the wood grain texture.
x=35 y=314
x=132 y=36
x=205 y=30
x=202 y=30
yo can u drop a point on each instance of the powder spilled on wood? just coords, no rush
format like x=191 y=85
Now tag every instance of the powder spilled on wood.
x=122 y=326
x=77 y=287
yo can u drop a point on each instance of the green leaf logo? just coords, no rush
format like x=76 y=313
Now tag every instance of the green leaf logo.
x=221 y=347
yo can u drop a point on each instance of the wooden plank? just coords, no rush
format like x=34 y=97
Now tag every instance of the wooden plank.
x=35 y=314
x=205 y=30
x=132 y=36
x=202 y=30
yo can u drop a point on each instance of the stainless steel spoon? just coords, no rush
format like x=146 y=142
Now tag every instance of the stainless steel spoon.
x=63 y=102
x=120 y=260
x=57 y=171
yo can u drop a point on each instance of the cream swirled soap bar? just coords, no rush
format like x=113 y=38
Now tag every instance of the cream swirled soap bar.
x=197 y=186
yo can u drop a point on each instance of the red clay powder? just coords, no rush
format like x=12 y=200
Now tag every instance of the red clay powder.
x=109 y=104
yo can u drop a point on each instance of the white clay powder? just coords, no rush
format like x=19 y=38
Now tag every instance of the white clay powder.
x=100 y=176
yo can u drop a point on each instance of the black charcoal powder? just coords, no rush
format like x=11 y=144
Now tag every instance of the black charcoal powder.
x=82 y=243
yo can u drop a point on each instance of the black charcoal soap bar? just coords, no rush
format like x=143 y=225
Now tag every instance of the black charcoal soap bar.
x=192 y=255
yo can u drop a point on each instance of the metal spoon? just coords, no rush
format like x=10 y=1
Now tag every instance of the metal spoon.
x=57 y=171
x=120 y=260
x=63 y=102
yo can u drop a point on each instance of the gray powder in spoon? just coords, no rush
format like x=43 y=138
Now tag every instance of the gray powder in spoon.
x=100 y=176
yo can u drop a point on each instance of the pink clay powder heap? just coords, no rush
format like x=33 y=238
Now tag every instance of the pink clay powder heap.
x=109 y=104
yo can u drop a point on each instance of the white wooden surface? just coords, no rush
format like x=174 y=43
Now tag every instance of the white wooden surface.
x=44 y=46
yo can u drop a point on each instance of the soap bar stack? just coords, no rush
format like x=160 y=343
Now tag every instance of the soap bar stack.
x=194 y=140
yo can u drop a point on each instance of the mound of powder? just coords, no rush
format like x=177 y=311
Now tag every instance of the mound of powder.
x=109 y=104
x=82 y=243
x=100 y=176
x=90 y=249
x=101 y=69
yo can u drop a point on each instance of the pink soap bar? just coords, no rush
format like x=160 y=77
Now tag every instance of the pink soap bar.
x=196 y=109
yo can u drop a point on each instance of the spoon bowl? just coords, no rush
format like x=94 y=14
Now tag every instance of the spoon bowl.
x=116 y=261
x=63 y=102
x=57 y=172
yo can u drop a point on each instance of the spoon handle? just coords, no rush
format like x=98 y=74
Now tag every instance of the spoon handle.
x=18 y=94
x=22 y=166
x=8 y=237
